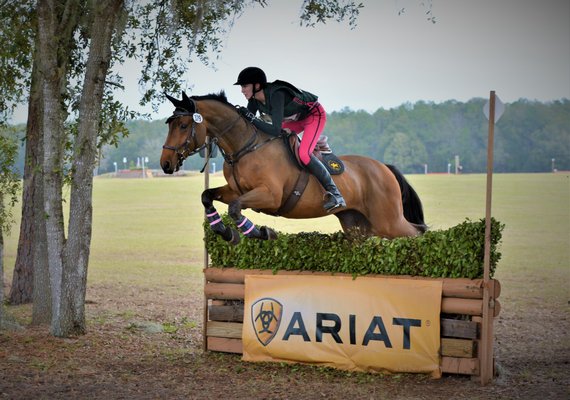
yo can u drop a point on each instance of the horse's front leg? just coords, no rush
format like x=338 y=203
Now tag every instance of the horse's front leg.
x=253 y=199
x=225 y=195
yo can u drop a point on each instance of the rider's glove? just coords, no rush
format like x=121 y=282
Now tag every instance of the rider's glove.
x=248 y=115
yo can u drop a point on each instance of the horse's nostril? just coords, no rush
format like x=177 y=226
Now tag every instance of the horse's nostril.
x=166 y=167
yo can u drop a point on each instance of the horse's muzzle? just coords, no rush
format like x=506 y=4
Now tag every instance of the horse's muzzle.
x=167 y=167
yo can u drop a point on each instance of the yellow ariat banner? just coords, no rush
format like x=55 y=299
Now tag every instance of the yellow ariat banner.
x=362 y=324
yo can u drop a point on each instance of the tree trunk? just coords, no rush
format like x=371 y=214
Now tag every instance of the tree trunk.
x=41 y=310
x=56 y=24
x=21 y=291
x=76 y=255
x=42 y=307
x=1 y=272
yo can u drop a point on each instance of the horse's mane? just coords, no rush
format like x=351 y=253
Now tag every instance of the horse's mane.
x=221 y=97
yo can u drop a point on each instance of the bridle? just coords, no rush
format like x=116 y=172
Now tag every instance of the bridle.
x=183 y=150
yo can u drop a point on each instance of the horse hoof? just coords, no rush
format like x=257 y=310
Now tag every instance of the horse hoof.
x=235 y=238
x=268 y=233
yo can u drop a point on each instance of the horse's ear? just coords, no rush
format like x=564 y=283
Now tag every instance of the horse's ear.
x=172 y=99
x=187 y=103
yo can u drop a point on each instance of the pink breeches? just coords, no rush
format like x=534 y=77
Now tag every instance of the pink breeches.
x=312 y=127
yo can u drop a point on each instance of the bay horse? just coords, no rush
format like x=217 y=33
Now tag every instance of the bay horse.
x=261 y=175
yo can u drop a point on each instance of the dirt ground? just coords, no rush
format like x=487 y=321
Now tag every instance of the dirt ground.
x=125 y=355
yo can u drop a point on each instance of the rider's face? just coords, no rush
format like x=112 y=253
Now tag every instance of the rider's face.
x=247 y=90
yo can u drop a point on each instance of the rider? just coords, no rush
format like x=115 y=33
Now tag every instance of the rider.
x=293 y=109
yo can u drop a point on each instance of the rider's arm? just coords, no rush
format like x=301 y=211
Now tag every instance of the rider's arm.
x=277 y=108
x=252 y=106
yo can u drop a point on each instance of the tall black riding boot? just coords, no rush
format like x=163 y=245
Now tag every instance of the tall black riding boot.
x=333 y=199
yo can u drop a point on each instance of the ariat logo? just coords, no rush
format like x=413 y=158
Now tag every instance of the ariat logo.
x=335 y=166
x=266 y=316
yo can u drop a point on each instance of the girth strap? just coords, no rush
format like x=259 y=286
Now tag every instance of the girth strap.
x=295 y=194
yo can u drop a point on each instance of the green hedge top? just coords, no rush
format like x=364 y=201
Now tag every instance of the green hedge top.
x=457 y=252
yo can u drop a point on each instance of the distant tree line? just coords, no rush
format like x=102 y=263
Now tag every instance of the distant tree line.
x=528 y=137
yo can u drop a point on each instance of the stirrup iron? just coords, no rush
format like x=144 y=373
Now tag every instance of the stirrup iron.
x=329 y=198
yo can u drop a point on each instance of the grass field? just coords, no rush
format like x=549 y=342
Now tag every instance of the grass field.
x=146 y=265
x=150 y=226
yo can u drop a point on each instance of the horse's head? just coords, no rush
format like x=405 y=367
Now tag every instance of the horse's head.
x=186 y=134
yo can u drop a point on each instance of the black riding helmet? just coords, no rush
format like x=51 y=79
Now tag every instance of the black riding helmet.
x=252 y=75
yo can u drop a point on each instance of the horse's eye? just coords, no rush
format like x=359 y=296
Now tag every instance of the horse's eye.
x=183 y=126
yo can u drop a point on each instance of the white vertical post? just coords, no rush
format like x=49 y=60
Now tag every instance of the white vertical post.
x=456 y=165
x=486 y=367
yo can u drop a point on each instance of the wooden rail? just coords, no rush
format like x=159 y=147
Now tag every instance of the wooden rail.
x=461 y=308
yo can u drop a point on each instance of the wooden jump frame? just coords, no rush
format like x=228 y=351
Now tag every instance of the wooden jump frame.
x=461 y=347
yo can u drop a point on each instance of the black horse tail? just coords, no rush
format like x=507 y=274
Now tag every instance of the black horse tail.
x=413 y=210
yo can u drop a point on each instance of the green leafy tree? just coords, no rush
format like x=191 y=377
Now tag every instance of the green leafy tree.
x=9 y=186
x=406 y=152
x=9 y=180
x=80 y=41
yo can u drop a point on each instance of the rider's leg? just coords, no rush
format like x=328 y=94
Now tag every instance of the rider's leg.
x=312 y=126
x=333 y=198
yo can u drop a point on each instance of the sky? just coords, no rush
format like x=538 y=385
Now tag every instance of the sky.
x=519 y=48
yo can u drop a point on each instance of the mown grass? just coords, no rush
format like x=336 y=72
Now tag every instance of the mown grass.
x=149 y=232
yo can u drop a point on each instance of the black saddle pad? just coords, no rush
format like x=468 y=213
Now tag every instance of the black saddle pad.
x=333 y=163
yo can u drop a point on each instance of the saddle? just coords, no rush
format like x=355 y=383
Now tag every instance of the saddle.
x=323 y=152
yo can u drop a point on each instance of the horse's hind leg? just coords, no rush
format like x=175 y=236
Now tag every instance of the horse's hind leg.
x=354 y=222
x=227 y=233
x=391 y=226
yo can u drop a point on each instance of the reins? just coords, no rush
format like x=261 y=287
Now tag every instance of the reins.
x=183 y=150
